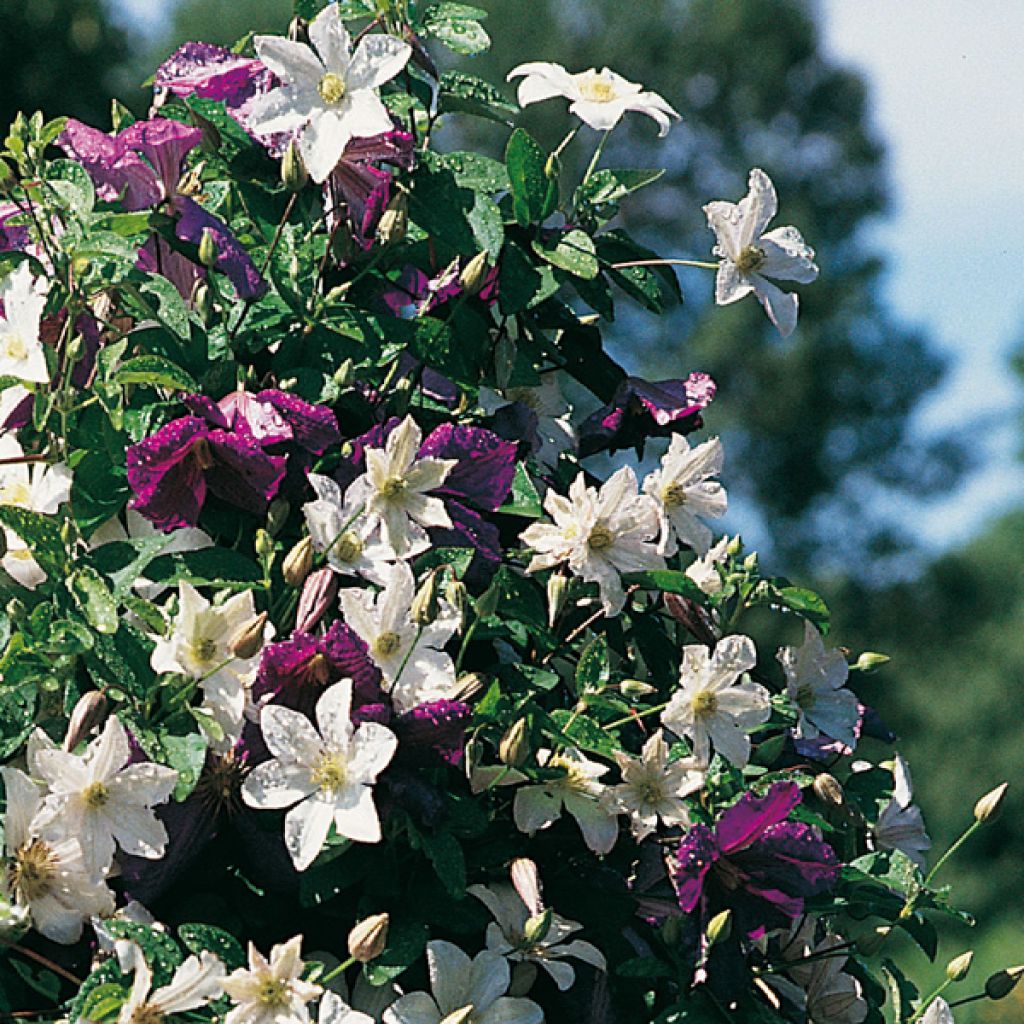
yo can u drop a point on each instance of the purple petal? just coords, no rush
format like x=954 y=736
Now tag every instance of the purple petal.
x=366 y=192
x=395 y=147
x=212 y=73
x=790 y=858
x=158 y=257
x=433 y=384
x=350 y=659
x=470 y=529
x=113 y=167
x=12 y=236
x=165 y=144
x=89 y=331
x=244 y=474
x=690 y=864
x=438 y=727
x=749 y=818
x=209 y=410
x=486 y=464
x=313 y=427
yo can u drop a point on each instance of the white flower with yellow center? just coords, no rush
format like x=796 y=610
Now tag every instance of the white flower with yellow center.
x=577 y=791
x=750 y=255
x=195 y=983
x=21 y=352
x=704 y=571
x=900 y=826
x=101 y=799
x=412 y=659
x=654 y=788
x=349 y=539
x=39 y=487
x=816 y=684
x=599 y=533
x=46 y=873
x=716 y=705
x=685 y=493
x=394 y=490
x=328 y=93
x=271 y=991
x=328 y=777
x=200 y=646
x=597 y=98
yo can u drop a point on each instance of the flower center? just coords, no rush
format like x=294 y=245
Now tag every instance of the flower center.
x=331 y=88
x=204 y=649
x=16 y=493
x=387 y=644
x=329 y=772
x=273 y=993
x=203 y=454
x=13 y=347
x=220 y=783
x=673 y=495
x=705 y=702
x=730 y=876
x=34 y=869
x=147 y=1014
x=601 y=538
x=596 y=89
x=348 y=547
x=750 y=259
x=95 y=795
x=319 y=669
x=392 y=488
x=651 y=791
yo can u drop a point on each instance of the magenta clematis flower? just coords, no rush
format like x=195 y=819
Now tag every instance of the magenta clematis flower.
x=212 y=73
x=171 y=471
x=640 y=409
x=142 y=167
x=754 y=862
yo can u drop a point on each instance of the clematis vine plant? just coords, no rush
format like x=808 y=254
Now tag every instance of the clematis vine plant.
x=343 y=679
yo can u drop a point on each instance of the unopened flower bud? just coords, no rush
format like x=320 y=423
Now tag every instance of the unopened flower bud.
x=457 y=596
x=869 y=661
x=552 y=166
x=958 y=968
x=558 y=590
x=1002 y=983
x=719 y=928
x=344 y=375
x=248 y=642
x=735 y=547
x=298 y=563
x=394 y=221
x=208 y=249
x=474 y=274
x=537 y=926
x=872 y=942
x=277 y=515
x=202 y=300
x=467 y=686
x=264 y=544
x=294 y=175
x=89 y=711
x=75 y=349
x=319 y=590
x=828 y=790
x=426 y=602
x=989 y=806
x=514 y=747
x=634 y=689
x=368 y=938
x=15 y=608
x=338 y=292
x=526 y=882
x=750 y=562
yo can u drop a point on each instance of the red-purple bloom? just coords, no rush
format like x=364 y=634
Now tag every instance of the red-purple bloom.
x=171 y=471
x=754 y=862
x=212 y=73
x=640 y=409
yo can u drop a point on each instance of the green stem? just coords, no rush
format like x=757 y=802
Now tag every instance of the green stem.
x=701 y=264
x=928 y=1002
x=972 y=828
x=636 y=714
x=565 y=142
x=596 y=158
x=343 y=966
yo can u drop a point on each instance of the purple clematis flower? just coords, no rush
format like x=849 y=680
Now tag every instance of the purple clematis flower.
x=212 y=73
x=640 y=409
x=171 y=471
x=142 y=167
x=13 y=236
x=754 y=862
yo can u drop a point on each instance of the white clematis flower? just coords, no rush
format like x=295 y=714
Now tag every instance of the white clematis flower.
x=554 y=425
x=99 y=798
x=411 y=658
x=601 y=534
x=750 y=255
x=577 y=791
x=598 y=98
x=46 y=873
x=21 y=351
x=653 y=788
x=816 y=684
x=349 y=539
x=900 y=826
x=394 y=490
x=685 y=493
x=271 y=991
x=704 y=571
x=464 y=991
x=39 y=487
x=714 y=705
x=327 y=776
x=200 y=646
x=938 y=1013
x=329 y=94
x=195 y=983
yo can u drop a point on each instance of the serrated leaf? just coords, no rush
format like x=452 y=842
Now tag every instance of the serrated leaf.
x=572 y=251
x=156 y=372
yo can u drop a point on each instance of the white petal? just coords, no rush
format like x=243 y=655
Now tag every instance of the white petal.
x=305 y=830
x=730 y=284
x=378 y=58
x=328 y=34
x=782 y=307
x=332 y=714
x=273 y=785
x=757 y=208
x=449 y=971
x=357 y=819
x=289 y=734
x=323 y=141
x=289 y=60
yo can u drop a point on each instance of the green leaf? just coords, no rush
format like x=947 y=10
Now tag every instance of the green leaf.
x=441 y=207
x=209 y=567
x=655 y=288
x=668 y=581
x=171 y=309
x=609 y=186
x=102 y=1002
x=572 y=251
x=186 y=755
x=200 y=937
x=466 y=94
x=155 y=371
x=525 y=498
x=99 y=490
x=309 y=9
x=531 y=187
x=457 y=26
x=804 y=602
x=486 y=222
x=73 y=185
x=644 y=967
x=95 y=598
x=42 y=535
x=17 y=714
x=476 y=171
x=584 y=733
x=522 y=284
x=97 y=990
x=160 y=950
x=445 y=853
x=406 y=942
x=593 y=669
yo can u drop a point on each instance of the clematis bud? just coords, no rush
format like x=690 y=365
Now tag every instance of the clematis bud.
x=208 y=249
x=514 y=747
x=958 y=968
x=474 y=274
x=457 y=596
x=394 y=221
x=526 y=882
x=467 y=686
x=249 y=640
x=990 y=805
x=298 y=563
x=264 y=544
x=344 y=375
x=719 y=928
x=868 y=661
x=318 y=592
x=828 y=790
x=558 y=590
x=636 y=688
x=734 y=547
x=1002 y=983
x=368 y=938
x=294 y=175
x=202 y=300
x=426 y=604
x=89 y=711
x=277 y=515
x=537 y=926
x=15 y=608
